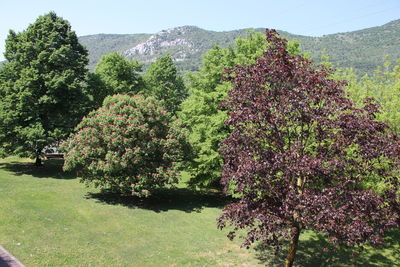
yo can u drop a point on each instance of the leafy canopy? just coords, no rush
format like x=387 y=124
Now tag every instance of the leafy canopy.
x=41 y=86
x=164 y=83
x=114 y=74
x=201 y=111
x=383 y=85
x=301 y=156
x=131 y=145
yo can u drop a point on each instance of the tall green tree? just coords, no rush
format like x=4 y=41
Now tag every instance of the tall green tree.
x=41 y=86
x=201 y=111
x=383 y=85
x=115 y=74
x=164 y=83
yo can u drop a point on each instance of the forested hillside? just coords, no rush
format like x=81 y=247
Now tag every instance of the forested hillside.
x=364 y=49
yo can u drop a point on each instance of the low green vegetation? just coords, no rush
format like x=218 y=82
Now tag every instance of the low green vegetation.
x=48 y=218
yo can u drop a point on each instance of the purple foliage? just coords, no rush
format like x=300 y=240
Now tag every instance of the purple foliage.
x=301 y=156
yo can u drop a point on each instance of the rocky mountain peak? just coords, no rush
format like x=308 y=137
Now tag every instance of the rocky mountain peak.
x=173 y=39
x=362 y=49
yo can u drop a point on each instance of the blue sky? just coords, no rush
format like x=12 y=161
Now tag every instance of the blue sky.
x=305 y=17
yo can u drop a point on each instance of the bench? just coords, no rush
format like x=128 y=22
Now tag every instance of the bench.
x=54 y=156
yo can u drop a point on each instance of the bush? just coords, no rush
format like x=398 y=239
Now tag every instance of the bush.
x=131 y=145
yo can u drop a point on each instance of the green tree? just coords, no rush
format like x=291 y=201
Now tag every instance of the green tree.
x=201 y=111
x=131 y=145
x=97 y=90
x=164 y=83
x=41 y=86
x=383 y=85
x=115 y=74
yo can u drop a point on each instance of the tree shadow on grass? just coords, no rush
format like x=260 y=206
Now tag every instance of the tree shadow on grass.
x=50 y=169
x=184 y=199
x=311 y=253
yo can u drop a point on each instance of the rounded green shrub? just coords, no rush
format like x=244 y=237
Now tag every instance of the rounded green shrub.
x=131 y=145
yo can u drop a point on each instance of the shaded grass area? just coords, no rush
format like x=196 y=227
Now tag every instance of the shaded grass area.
x=164 y=200
x=48 y=218
x=314 y=250
x=50 y=169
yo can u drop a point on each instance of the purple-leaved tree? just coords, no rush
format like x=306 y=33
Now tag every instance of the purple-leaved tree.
x=301 y=156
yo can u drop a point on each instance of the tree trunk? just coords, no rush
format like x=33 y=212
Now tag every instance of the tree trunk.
x=38 y=161
x=296 y=229
x=293 y=246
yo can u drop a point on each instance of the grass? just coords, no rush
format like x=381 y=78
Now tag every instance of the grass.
x=48 y=218
x=311 y=253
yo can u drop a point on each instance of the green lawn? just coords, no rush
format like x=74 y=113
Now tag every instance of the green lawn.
x=48 y=218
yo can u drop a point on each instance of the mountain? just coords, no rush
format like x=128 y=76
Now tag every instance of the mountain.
x=186 y=44
x=363 y=50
